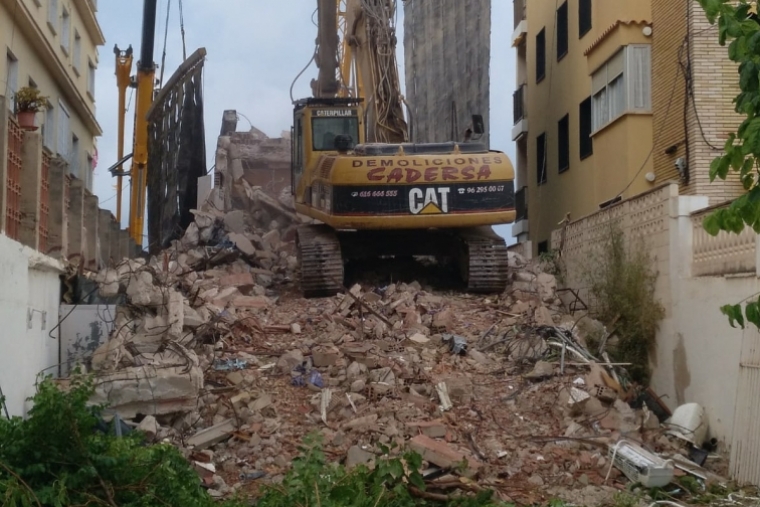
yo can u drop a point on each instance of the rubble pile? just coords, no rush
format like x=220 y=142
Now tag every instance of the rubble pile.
x=215 y=351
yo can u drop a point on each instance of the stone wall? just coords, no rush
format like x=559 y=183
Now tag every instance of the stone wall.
x=698 y=356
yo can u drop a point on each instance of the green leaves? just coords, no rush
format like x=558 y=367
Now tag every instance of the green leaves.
x=56 y=457
x=742 y=149
x=313 y=482
x=712 y=8
x=735 y=316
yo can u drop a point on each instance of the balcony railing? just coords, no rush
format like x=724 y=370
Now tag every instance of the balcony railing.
x=519 y=104
x=521 y=204
x=519 y=10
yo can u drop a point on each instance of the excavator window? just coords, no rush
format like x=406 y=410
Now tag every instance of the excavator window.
x=325 y=130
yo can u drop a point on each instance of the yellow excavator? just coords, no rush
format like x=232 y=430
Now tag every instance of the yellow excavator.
x=376 y=193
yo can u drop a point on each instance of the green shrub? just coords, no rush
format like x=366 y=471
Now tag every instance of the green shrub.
x=622 y=281
x=57 y=458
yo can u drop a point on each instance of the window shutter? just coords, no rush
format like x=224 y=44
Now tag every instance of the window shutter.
x=562 y=31
x=584 y=17
x=563 y=144
x=584 y=128
x=53 y=13
x=640 y=72
x=64 y=129
x=541 y=55
x=49 y=129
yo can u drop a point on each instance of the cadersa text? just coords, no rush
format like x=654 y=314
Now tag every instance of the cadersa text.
x=409 y=175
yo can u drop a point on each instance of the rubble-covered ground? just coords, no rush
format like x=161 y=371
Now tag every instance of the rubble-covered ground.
x=214 y=350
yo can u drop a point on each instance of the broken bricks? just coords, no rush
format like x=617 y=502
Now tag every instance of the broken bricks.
x=385 y=372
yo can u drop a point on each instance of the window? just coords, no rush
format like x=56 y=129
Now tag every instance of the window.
x=11 y=77
x=586 y=142
x=89 y=171
x=541 y=159
x=622 y=85
x=563 y=144
x=76 y=59
x=53 y=15
x=541 y=55
x=543 y=247
x=584 y=17
x=48 y=128
x=562 y=31
x=91 y=79
x=65 y=31
x=73 y=158
x=64 y=130
x=324 y=130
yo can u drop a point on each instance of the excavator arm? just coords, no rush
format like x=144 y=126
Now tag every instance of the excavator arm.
x=363 y=64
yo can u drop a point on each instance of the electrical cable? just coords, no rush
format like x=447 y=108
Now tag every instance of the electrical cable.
x=546 y=143
x=659 y=133
x=690 y=81
x=166 y=36
x=182 y=31
x=313 y=57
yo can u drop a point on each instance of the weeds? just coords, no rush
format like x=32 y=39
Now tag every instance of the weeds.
x=549 y=262
x=393 y=482
x=623 y=284
x=57 y=457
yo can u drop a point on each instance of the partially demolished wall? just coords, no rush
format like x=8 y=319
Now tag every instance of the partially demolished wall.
x=249 y=159
x=447 y=47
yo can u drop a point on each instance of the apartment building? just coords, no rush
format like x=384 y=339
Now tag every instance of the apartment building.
x=613 y=99
x=53 y=45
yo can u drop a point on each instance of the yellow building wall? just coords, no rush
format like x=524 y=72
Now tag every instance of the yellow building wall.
x=27 y=48
x=619 y=149
x=621 y=156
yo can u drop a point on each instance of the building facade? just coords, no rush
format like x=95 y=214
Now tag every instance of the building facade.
x=613 y=99
x=53 y=45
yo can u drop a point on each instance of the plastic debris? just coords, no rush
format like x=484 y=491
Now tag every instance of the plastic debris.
x=230 y=365
x=457 y=344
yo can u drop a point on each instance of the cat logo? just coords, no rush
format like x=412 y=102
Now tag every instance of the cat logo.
x=430 y=201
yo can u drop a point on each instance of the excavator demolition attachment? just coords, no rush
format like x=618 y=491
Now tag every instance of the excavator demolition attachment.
x=480 y=254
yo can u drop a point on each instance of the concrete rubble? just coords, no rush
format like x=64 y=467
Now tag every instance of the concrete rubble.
x=216 y=351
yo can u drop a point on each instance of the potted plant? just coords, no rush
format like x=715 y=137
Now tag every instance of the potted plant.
x=29 y=101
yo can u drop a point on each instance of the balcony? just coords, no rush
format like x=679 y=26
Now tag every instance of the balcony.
x=521 y=204
x=518 y=99
x=520 y=227
x=520 y=9
x=521 y=22
x=520 y=120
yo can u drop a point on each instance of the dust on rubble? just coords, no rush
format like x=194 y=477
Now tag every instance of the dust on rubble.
x=215 y=351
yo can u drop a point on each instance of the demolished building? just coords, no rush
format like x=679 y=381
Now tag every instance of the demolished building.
x=212 y=351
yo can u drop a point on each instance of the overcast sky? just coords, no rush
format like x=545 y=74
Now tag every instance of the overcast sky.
x=255 y=50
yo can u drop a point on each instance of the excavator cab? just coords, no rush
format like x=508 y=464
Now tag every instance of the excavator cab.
x=327 y=126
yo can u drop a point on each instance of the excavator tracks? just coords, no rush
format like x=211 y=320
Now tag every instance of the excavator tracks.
x=486 y=262
x=320 y=260
x=480 y=253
